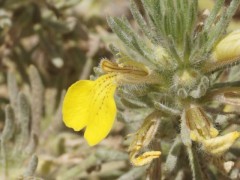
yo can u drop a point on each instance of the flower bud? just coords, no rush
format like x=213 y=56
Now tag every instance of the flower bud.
x=199 y=124
x=228 y=49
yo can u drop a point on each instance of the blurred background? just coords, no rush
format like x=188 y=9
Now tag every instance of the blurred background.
x=45 y=46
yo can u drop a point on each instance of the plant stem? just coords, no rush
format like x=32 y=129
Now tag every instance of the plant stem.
x=194 y=163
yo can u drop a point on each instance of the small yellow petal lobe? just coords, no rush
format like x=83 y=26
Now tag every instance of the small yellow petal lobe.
x=76 y=103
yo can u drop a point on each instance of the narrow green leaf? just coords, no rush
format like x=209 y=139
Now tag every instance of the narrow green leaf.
x=9 y=126
x=222 y=24
x=37 y=97
x=211 y=18
x=173 y=155
x=32 y=166
x=141 y=22
x=24 y=119
x=195 y=166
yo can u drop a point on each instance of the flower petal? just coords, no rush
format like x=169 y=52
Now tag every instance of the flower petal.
x=220 y=144
x=145 y=158
x=76 y=103
x=102 y=109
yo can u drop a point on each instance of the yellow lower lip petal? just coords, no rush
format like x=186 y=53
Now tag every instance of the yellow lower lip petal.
x=102 y=110
x=75 y=105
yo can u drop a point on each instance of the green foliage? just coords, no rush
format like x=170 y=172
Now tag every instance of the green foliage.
x=174 y=42
x=16 y=140
x=65 y=39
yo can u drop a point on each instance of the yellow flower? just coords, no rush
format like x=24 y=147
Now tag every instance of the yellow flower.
x=220 y=144
x=91 y=104
x=202 y=131
x=199 y=124
x=142 y=138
